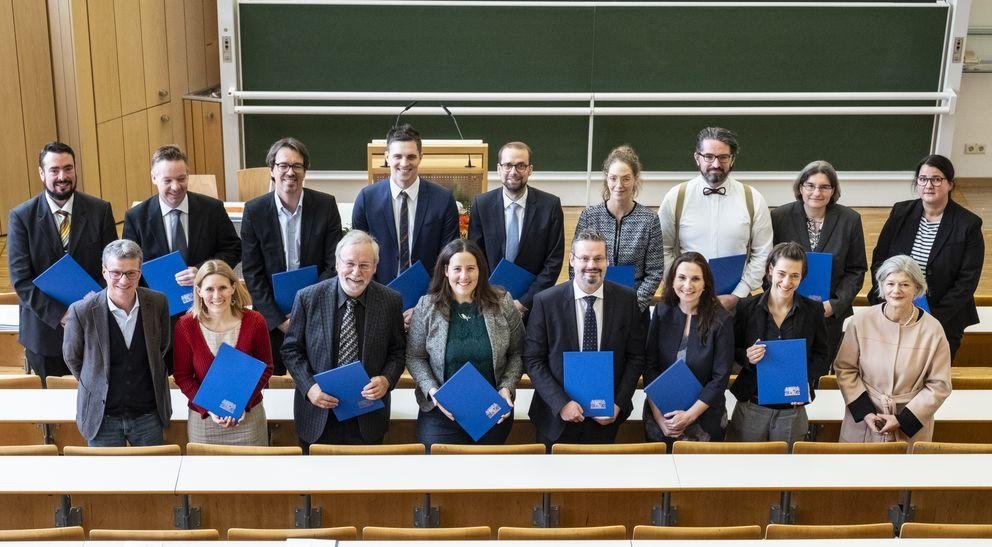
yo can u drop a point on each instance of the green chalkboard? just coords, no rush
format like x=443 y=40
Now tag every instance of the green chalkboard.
x=606 y=49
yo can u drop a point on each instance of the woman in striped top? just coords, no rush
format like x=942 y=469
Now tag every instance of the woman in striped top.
x=945 y=239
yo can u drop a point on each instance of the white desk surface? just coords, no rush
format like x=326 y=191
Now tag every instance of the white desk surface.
x=448 y=473
x=90 y=474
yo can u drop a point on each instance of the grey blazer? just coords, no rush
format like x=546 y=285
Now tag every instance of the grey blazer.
x=86 y=350
x=428 y=340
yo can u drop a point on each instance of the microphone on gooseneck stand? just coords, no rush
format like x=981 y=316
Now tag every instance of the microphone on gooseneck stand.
x=462 y=137
x=396 y=124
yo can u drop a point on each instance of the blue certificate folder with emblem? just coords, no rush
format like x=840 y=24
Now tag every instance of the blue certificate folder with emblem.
x=346 y=383
x=66 y=281
x=511 y=277
x=285 y=285
x=816 y=284
x=621 y=275
x=727 y=272
x=675 y=389
x=412 y=284
x=589 y=381
x=474 y=403
x=921 y=302
x=782 y=376
x=229 y=383
x=160 y=274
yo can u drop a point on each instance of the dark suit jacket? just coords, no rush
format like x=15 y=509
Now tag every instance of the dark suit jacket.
x=309 y=349
x=435 y=224
x=551 y=331
x=262 y=252
x=955 y=265
x=842 y=236
x=542 y=236
x=33 y=244
x=211 y=232
x=87 y=336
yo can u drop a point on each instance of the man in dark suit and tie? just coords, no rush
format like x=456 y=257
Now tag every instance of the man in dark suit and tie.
x=411 y=218
x=177 y=220
x=114 y=345
x=607 y=318
x=521 y=224
x=42 y=230
x=339 y=321
x=289 y=228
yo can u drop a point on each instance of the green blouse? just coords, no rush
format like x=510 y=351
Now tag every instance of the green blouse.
x=468 y=340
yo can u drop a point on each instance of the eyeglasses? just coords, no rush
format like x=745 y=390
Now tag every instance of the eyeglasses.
x=936 y=182
x=519 y=167
x=809 y=187
x=360 y=266
x=283 y=167
x=131 y=275
x=722 y=158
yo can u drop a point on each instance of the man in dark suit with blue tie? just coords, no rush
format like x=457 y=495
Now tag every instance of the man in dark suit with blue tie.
x=607 y=316
x=519 y=223
x=289 y=228
x=411 y=218
x=42 y=230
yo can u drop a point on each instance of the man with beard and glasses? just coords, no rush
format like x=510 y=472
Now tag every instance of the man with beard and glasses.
x=40 y=231
x=584 y=314
x=521 y=224
x=715 y=215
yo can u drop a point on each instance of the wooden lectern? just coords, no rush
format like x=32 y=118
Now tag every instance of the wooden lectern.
x=460 y=166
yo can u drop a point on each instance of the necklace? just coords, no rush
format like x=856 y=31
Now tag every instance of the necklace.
x=900 y=322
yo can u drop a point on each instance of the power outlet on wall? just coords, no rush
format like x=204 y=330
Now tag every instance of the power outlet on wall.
x=974 y=148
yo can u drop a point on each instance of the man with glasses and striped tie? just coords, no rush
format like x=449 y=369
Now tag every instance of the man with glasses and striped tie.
x=40 y=231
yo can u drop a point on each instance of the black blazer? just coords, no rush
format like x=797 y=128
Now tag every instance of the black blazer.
x=211 y=232
x=262 y=252
x=710 y=359
x=955 y=264
x=542 y=236
x=842 y=236
x=551 y=331
x=33 y=244
x=750 y=319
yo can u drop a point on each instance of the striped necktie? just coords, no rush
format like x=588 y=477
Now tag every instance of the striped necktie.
x=63 y=227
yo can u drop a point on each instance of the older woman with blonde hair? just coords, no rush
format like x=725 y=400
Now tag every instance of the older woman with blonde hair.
x=894 y=365
x=220 y=315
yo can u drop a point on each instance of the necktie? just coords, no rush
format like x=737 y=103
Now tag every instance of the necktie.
x=721 y=190
x=404 y=232
x=513 y=234
x=589 y=341
x=63 y=227
x=178 y=235
x=348 y=343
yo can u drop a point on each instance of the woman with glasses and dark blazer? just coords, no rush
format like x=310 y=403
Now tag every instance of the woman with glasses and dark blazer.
x=819 y=224
x=945 y=239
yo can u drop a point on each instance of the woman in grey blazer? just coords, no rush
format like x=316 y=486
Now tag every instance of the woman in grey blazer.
x=463 y=319
x=819 y=224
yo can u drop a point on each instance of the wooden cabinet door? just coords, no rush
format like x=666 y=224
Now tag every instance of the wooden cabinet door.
x=155 y=52
x=106 y=74
x=137 y=159
x=112 y=183
x=161 y=127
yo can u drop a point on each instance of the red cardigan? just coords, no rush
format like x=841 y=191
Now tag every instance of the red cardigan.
x=192 y=358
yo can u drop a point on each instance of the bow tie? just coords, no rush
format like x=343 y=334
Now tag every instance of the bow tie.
x=721 y=190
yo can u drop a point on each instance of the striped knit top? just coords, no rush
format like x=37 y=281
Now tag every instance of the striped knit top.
x=924 y=242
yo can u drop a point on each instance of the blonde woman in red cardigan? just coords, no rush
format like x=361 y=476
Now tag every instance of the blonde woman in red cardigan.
x=219 y=314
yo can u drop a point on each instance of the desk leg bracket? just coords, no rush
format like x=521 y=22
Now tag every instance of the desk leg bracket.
x=307 y=516
x=665 y=514
x=186 y=517
x=785 y=512
x=546 y=515
x=904 y=512
x=426 y=516
x=66 y=514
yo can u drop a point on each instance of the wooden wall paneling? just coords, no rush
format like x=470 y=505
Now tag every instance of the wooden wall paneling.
x=12 y=136
x=211 y=44
x=160 y=127
x=196 y=68
x=83 y=100
x=37 y=93
x=213 y=145
x=130 y=55
x=155 y=52
x=190 y=132
x=110 y=135
x=106 y=73
x=136 y=157
x=198 y=147
x=61 y=48
x=175 y=30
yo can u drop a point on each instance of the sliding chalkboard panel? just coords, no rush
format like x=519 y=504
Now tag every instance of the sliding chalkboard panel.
x=606 y=49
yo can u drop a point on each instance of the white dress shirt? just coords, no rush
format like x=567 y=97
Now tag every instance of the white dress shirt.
x=717 y=226
x=289 y=225
x=167 y=220
x=580 y=312
x=411 y=202
x=522 y=202
x=126 y=321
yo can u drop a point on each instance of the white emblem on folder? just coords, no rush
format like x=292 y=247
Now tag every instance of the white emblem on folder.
x=227 y=405
x=597 y=404
x=492 y=410
x=791 y=391
x=187 y=298
x=365 y=403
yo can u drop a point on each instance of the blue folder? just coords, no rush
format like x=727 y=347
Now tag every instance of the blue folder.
x=229 y=383
x=511 y=277
x=345 y=383
x=474 y=403
x=921 y=302
x=621 y=275
x=285 y=285
x=727 y=272
x=412 y=284
x=816 y=285
x=782 y=376
x=160 y=274
x=589 y=381
x=677 y=388
x=66 y=281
